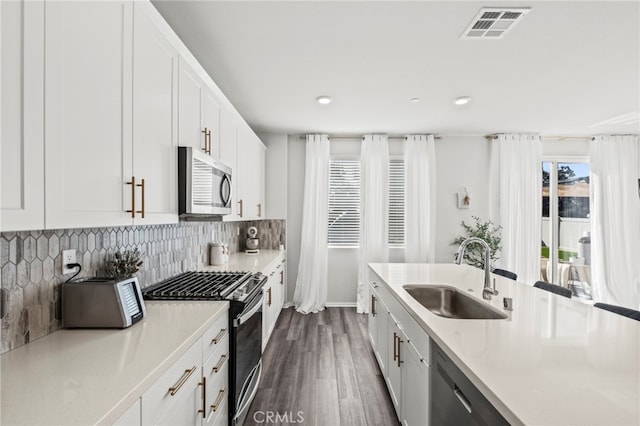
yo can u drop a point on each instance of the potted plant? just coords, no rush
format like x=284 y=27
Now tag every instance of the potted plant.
x=485 y=230
x=124 y=263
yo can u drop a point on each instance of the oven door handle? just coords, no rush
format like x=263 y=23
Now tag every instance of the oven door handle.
x=244 y=316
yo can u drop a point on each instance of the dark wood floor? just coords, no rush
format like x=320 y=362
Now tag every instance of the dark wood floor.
x=319 y=368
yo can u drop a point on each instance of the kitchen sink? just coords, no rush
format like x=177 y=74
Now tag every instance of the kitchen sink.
x=449 y=302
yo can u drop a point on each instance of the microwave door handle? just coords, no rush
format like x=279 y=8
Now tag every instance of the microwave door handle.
x=244 y=316
x=226 y=182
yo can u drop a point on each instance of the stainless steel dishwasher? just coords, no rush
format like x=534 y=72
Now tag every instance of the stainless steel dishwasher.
x=455 y=400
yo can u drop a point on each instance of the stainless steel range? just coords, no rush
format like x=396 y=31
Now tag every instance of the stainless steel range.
x=244 y=293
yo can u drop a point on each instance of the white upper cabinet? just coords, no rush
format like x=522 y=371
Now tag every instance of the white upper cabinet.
x=87 y=113
x=211 y=122
x=155 y=94
x=228 y=154
x=250 y=175
x=22 y=148
x=96 y=97
x=189 y=109
x=199 y=113
x=110 y=116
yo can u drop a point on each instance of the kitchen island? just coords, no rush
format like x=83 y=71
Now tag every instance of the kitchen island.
x=554 y=361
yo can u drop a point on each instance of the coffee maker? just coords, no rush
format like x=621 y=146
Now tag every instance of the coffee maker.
x=252 y=242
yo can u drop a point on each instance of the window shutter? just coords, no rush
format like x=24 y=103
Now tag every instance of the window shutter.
x=344 y=203
x=396 y=202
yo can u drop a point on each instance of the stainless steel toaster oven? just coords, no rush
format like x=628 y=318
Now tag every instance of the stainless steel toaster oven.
x=102 y=303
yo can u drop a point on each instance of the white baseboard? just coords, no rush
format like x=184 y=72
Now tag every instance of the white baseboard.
x=328 y=305
x=340 y=305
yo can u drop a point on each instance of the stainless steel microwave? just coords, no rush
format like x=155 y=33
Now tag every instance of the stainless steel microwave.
x=204 y=184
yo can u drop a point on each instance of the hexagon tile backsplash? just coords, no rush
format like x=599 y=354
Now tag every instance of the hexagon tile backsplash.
x=31 y=264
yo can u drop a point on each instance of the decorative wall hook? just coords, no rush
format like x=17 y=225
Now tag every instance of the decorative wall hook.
x=464 y=201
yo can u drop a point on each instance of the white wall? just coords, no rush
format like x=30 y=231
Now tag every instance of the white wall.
x=461 y=161
x=276 y=175
x=295 y=189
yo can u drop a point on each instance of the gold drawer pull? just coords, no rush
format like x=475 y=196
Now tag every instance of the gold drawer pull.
x=204 y=396
x=219 y=337
x=141 y=185
x=220 y=363
x=219 y=400
x=133 y=196
x=183 y=380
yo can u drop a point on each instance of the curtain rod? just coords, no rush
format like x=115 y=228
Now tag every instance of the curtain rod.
x=558 y=138
x=361 y=136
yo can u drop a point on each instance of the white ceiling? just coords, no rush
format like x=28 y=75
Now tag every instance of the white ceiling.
x=566 y=68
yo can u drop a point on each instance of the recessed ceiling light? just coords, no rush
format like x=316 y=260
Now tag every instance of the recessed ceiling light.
x=462 y=100
x=414 y=100
x=324 y=100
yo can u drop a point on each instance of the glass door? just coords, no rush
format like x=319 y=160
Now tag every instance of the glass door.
x=566 y=240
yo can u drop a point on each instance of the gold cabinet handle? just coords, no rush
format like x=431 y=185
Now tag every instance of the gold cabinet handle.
x=141 y=185
x=219 y=399
x=269 y=300
x=203 y=383
x=187 y=373
x=373 y=305
x=259 y=209
x=219 y=337
x=395 y=350
x=399 y=360
x=220 y=363
x=205 y=132
x=133 y=196
x=241 y=205
x=209 y=142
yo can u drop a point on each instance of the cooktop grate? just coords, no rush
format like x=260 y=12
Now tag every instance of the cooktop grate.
x=196 y=286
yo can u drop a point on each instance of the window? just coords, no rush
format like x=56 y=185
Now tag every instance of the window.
x=344 y=203
x=396 y=202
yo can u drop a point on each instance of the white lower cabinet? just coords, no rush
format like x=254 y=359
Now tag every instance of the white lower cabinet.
x=378 y=329
x=215 y=373
x=273 y=298
x=131 y=417
x=401 y=348
x=415 y=386
x=170 y=399
x=194 y=390
x=394 y=374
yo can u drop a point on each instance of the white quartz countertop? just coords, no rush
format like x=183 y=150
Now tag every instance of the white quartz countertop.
x=89 y=376
x=555 y=361
x=242 y=262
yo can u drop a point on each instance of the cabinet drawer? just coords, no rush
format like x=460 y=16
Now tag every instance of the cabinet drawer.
x=173 y=385
x=216 y=371
x=215 y=368
x=216 y=336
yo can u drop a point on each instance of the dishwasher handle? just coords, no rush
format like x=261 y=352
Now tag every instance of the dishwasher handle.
x=463 y=399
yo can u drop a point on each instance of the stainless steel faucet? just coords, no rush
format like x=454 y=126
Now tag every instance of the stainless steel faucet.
x=488 y=289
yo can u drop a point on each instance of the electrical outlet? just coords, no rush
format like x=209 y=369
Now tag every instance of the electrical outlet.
x=68 y=256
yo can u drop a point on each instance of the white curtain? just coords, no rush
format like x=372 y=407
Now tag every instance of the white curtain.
x=374 y=212
x=615 y=220
x=311 y=285
x=419 y=200
x=520 y=178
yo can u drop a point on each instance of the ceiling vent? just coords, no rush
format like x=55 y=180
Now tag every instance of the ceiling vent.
x=493 y=22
